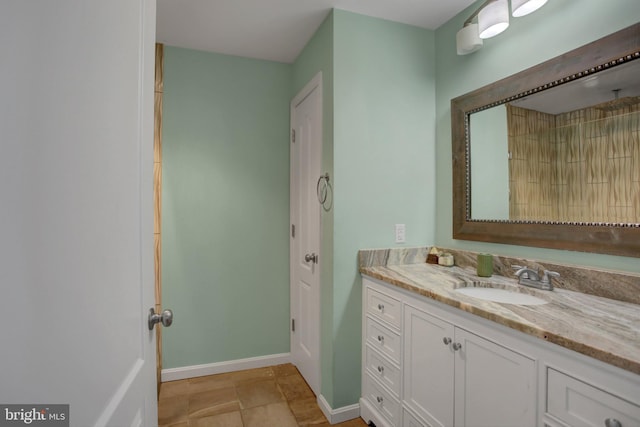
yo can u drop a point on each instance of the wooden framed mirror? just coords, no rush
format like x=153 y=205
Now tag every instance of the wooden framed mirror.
x=539 y=214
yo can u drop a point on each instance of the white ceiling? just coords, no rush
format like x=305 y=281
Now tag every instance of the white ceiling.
x=604 y=86
x=277 y=30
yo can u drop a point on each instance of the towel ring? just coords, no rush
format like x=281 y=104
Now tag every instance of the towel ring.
x=323 y=188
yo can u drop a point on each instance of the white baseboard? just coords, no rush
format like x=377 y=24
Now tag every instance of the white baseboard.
x=339 y=415
x=173 y=374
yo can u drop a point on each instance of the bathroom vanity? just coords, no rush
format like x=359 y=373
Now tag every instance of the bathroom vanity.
x=433 y=356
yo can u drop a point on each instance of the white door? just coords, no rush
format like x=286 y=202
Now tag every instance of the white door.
x=306 y=156
x=76 y=220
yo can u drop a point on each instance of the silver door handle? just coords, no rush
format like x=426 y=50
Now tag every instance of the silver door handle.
x=166 y=318
x=311 y=257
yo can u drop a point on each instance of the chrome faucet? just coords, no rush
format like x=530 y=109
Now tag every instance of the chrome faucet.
x=531 y=278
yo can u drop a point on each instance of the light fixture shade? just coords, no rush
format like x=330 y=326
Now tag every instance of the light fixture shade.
x=467 y=40
x=525 y=7
x=493 y=19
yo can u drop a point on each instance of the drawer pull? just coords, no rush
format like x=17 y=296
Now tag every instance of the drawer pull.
x=446 y=340
x=456 y=346
x=612 y=422
x=379 y=399
x=380 y=339
x=381 y=369
x=381 y=307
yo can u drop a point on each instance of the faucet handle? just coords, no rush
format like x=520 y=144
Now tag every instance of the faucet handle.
x=522 y=269
x=547 y=274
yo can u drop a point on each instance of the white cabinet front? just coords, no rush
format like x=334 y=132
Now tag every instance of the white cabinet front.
x=383 y=402
x=384 y=306
x=454 y=377
x=382 y=370
x=578 y=404
x=383 y=340
x=494 y=386
x=428 y=367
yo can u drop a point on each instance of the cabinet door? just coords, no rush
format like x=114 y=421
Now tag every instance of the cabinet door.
x=428 y=367
x=577 y=403
x=494 y=386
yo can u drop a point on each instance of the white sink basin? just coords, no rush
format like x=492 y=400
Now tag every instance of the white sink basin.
x=501 y=295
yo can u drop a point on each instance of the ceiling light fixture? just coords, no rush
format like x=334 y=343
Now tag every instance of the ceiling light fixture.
x=467 y=39
x=492 y=19
x=524 y=7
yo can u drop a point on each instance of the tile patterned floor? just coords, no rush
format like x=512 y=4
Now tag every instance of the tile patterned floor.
x=275 y=396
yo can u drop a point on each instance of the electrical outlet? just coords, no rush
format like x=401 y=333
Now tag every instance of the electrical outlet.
x=400 y=233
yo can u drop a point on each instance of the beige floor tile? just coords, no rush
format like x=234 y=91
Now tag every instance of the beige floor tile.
x=274 y=415
x=216 y=401
x=307 y=412
x=251 y=375
x=213 y=402
x=259 y=393
x=174 y=388
x=173 y=410
x=294 y=387
x=180 y=424
x=358 y=422
x=210 y=382
x=230 y=419
x=284 y=370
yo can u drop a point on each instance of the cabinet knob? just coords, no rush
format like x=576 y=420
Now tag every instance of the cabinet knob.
x=381 y=307
x=456 y=346
x=446 y=340
x=380 y=339
x=381 y=369
x=379 y=399
x=612 y=422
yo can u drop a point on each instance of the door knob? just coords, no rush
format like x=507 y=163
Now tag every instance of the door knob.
x=312 y=257
x=166 y=318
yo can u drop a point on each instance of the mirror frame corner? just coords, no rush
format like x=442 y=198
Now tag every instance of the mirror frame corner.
x=613 y=239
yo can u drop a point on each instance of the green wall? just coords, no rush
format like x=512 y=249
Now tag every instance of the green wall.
x=317 y=56
x=384 y=167
x=558 y=27
x=387 y=145
x=379 y=109
x=490 y=171
x=225 y=207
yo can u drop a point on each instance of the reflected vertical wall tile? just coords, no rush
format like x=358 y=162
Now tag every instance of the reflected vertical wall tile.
x=157 y=191
x=635 y=156
x=157 y=128
x=560 y=164
x=636 y=206
x=159 y=70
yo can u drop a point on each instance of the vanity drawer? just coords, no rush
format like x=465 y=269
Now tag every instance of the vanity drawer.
x=384 y=307
x=382 y=401
x=408 y=420
x=579 y=404
x=382 y=370
x=383 y=339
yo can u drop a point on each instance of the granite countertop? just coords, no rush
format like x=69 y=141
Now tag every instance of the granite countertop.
x=602 y=328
